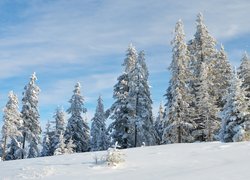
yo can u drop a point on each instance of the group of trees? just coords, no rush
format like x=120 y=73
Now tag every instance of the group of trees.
x=206 y=101
x=21 y=131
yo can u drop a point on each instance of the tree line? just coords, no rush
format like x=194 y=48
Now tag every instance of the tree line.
x=206 y=100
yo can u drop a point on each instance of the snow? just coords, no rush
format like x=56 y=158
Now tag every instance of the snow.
x=206 y=161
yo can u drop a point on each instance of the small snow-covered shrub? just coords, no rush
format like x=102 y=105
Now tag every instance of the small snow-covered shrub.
x=114 y=156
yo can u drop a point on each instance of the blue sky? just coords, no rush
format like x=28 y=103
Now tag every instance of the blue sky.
x=85 y=40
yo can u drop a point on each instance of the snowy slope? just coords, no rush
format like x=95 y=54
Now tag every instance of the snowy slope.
x=201 y=161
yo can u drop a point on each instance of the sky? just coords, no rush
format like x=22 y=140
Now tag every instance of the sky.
x=85 y=41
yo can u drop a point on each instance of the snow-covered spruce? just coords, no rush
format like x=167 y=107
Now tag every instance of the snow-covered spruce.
x=141 y=104
x=120 y=111
x=59 y=120
x=179 y=124
x=203 y=50
x=159 y=123
x=99 y=137
x=77 y=128
x=30 y=115
x=11 y=129
x=47 y=141
x=235 y=115
x=132 y=110
x=63 y=148
x=58 y=128
x=244 y=73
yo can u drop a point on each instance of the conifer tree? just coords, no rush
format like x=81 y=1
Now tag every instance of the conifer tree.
x=59 y=120
x=61 y=146
x=140 y=101
x=99 y=139
x=77 y=128
x=46 y=150
x=203 y=53
x=235 y=114
x=159 y=123
x=179 y=125
x=244 y=73
x=30 y=115
x=121 y=111
x=12 y=126
x=58 y=129
x=47 y=144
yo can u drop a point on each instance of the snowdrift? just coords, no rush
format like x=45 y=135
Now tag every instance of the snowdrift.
x=197 y=161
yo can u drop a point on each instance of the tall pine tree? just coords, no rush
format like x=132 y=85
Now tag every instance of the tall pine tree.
x=12 y=126
x=47 y=141
x=77 y=128
x=139 y=99
x=59 y=128
x=244 y=74
x=30 y=115
x=179 y=124
x=99 y=138
x=121 y=111
x=203 y=53
x=159 y=123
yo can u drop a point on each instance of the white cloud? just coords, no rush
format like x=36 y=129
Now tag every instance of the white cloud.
x=70 y=41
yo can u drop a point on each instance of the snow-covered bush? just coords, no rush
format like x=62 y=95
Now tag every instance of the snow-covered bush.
x=114 y=156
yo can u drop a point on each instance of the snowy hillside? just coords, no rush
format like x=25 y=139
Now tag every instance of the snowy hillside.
x=206 y=161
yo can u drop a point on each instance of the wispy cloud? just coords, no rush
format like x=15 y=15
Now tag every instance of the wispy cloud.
x=69 y=41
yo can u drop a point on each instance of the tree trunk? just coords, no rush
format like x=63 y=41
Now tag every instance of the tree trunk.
x=179 y=134
x=24 y=137
x=4 y=148
x=135 y=135
x=136 y=114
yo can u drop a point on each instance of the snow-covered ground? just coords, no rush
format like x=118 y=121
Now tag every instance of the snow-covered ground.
x=201 y=161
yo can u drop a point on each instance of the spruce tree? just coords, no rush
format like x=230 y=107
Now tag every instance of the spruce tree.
x=179 y=123
x=244 y=73
x=47 y=141
x=46 y=146
x=121 y=112
x=12 y=126
x=77 y=128
x=235 y=114
x=203 y=53
x=59 y=128
x=159 y=123
x=99 y=139
x=139 y=100
x=30 y=115
x=59 y=120
x=61 y=146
